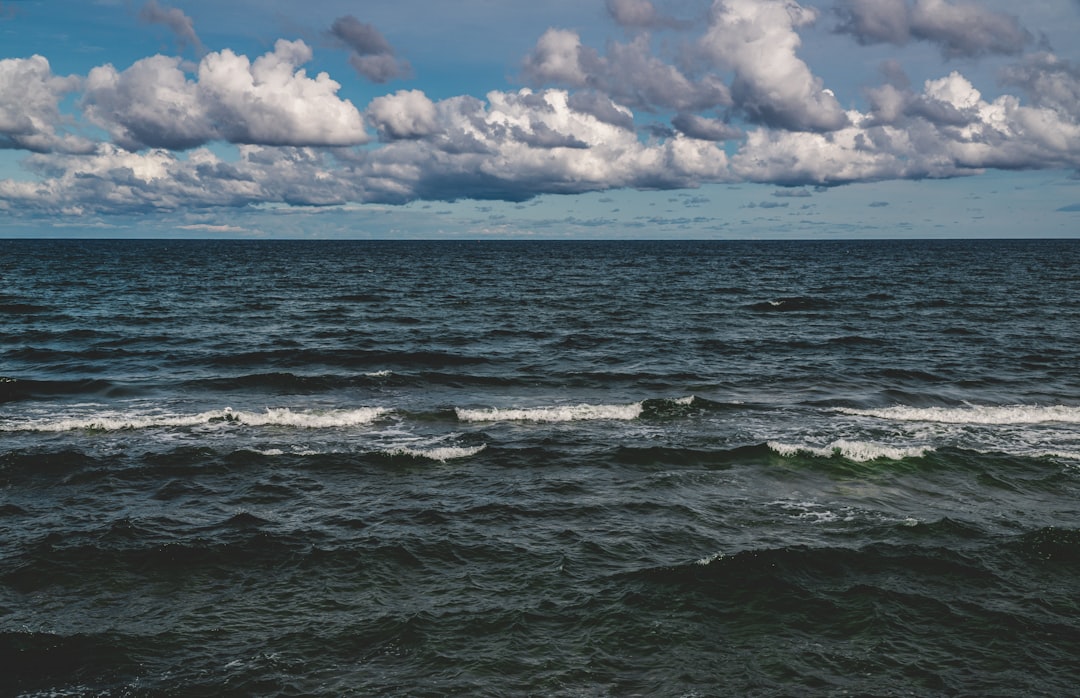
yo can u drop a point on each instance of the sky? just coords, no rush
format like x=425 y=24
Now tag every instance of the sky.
x=478 y=119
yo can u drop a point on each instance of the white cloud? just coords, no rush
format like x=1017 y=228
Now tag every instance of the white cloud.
x=269 y=101
x=556 y=59
x=114 y=180
x=947 y=130
x=520 y=144
x=513 y=146
x=29 y=107
x=296 y=137
x=758 y=40
x=404 y=114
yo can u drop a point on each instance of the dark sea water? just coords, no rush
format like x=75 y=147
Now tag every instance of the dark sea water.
x=539 y=468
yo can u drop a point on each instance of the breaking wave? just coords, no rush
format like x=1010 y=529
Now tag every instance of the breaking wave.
x=562 y=413
x=974 y=414
x=660 y=407
x=441 y=454
x=281 y=416
x=861 y=451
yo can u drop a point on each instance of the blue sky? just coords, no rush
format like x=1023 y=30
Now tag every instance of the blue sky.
x=567 y=118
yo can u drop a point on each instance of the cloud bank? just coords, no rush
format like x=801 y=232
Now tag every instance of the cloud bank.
x=731 y=98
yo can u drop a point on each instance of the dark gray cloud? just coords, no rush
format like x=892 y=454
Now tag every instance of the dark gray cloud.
x=1048 y=81
x=629 y=74
x=960 y=29
x=601 y=106
x=175 y=20
x=540 y=135
x=705 y=128
x=875 y=21
x=371 y=55
x=641 y=14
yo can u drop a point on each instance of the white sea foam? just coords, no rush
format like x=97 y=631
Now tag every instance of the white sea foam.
x=861 y=451
x=709 y=559
x=310 y=419
x=975 y=414
x=112 y=421
x=441 y=454
x=119 y=421
x=813 y=512
x=562 y=413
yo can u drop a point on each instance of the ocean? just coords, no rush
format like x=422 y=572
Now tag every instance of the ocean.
x=538 y=468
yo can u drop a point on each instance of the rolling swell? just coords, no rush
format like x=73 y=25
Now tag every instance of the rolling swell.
x=603 y=469
x=876 y=604
x=15 y=389
x=355 y=358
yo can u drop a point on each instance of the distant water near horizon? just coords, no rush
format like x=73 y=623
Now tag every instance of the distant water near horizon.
x=539 y=468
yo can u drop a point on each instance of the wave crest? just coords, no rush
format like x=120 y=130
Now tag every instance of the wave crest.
x=860 y=451
x=561 y=413
x=282 y=416
x=974 y=414
x=441 y=454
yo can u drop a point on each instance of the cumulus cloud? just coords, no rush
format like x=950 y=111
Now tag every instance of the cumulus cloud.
x=29 y=107
x=371 y=54
x=960 y=29
x=114 y=180
x=512 y=146
x=404 y=114
x=518 y=144
x=295 y=135
x=629 y=74
x=947 y=130
x=1049 y=81
x=175 y=20
x=773 y=86
x=270 y=101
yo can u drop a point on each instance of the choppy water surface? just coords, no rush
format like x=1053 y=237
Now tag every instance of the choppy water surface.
x=681 y=469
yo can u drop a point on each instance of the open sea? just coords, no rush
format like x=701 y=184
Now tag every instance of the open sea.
x=539 y=468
